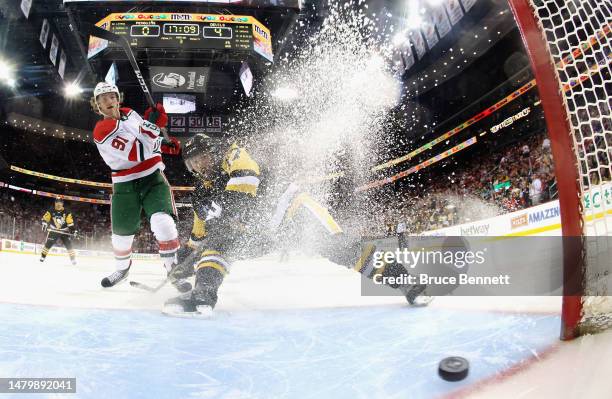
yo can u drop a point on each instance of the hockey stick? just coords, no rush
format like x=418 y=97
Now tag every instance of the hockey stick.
x=190 y=259
x=149 y=288
x=96 y=31
x=62 y=232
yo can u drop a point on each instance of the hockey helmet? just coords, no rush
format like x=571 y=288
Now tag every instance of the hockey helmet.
x=105 y=87
x=199 y=145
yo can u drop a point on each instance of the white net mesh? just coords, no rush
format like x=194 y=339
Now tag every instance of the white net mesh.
x=579 y=37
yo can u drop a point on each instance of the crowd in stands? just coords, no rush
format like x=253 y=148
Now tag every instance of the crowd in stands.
x=487 y=184
x=518 y=177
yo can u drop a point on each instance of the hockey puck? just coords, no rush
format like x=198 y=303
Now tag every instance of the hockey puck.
x=453 y=368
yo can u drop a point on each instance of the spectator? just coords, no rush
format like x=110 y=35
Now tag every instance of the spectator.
x=535 y=190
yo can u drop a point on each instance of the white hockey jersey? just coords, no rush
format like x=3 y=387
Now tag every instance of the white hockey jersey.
x=130 y=146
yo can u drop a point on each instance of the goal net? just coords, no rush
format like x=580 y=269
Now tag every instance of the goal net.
x=569 y=43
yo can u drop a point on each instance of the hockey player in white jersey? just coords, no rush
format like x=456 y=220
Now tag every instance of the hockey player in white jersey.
x=131 y=146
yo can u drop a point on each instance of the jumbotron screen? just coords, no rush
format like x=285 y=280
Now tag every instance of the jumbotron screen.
x=187 y=31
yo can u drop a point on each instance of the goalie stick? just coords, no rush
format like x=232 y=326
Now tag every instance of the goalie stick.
x=96 y=31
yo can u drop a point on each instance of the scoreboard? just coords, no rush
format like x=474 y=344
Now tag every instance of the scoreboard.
x=187 y=31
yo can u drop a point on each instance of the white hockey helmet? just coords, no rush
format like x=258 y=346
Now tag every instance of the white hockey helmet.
x=105 y=87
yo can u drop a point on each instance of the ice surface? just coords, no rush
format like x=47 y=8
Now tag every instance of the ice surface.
x=298 y=329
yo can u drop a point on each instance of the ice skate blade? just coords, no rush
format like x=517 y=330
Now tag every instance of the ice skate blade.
x=202 y=312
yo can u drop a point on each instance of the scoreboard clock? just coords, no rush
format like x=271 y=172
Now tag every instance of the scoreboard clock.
x=187 y=32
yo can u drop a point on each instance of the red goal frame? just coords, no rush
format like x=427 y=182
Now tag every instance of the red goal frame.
x=565 y=164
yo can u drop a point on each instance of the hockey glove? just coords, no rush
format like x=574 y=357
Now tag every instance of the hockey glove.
x=171 y=147
x=157 y=115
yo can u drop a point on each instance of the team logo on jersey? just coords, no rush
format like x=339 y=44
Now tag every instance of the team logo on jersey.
x=59 y=221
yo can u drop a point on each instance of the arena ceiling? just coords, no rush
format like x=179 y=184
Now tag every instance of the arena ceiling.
x=38 y=91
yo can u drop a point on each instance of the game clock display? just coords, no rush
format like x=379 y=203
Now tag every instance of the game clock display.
x=208 y=35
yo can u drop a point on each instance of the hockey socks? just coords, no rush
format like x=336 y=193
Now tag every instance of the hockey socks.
x=116 y=277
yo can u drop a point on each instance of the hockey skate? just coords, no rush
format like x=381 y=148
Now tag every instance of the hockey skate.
x=199 y=302
x=116 y=277
x=190 y=304
x=416 y=295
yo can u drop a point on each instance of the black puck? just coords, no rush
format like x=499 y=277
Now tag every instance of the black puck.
x=453 y=368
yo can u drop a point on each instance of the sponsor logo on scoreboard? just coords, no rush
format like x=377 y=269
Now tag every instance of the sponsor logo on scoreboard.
x=261 y=32
x=179 y=79
x=169 y=80
x=181 y=17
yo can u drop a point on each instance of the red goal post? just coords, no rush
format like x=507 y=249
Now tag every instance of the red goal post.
x=569 y=46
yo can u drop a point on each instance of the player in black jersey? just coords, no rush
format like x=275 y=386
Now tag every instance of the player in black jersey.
x=59 y=224
x=233 y=221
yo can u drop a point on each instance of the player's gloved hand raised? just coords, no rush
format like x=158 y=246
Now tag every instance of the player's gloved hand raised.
x=45 y=226
x=171 y=147
x=157 y=115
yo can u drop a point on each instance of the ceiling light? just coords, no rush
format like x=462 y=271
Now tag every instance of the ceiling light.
x=5 y=70
x=72 y=89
